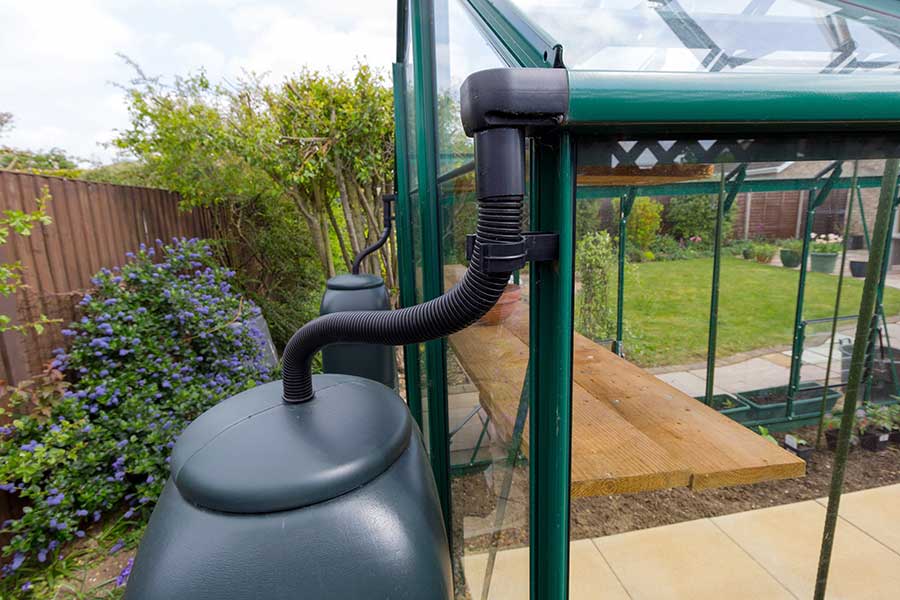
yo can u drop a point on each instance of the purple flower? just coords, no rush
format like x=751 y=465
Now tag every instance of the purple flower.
x=117 y=546
x=123 y=576
x=42 y=555
x=31 y=446
x=81 y=512
x=17 y=561
x=56 y=499
x=26 y=586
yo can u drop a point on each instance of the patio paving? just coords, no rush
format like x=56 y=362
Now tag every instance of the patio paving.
x=767 y=553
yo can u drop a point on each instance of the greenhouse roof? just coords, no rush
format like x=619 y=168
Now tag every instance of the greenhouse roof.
x=636 y=67
x=723 y=36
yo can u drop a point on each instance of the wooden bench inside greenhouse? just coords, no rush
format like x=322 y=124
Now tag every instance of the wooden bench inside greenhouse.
x=631 y=432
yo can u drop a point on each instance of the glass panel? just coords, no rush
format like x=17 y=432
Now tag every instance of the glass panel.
x=808 y=36
x=489 y=477
x=626 y=420
x=488 y=407
x=460 y=51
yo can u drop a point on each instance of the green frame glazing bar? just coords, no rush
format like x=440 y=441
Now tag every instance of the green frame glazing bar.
x=817 y=196
x=654 y=102
x=518 y=40
x=405 y=252
x=432 y=268
x=551 y=338
x=723 y=205
x=690 y=188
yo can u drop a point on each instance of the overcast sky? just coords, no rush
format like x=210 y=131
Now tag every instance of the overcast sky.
x=58 y=58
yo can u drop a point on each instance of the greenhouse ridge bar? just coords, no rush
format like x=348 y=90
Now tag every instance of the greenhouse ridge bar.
x=653 y=109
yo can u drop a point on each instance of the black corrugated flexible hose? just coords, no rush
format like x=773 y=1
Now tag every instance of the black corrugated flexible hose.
x=499 y=220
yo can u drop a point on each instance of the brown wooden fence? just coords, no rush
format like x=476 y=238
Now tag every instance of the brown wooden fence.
x=94 y=225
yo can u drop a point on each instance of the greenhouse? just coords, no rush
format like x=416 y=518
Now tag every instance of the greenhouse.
x=611 y=367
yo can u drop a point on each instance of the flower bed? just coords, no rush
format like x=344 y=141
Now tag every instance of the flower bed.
x=159 y=343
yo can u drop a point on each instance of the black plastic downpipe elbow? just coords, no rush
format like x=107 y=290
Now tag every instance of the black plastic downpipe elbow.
x=497 y=107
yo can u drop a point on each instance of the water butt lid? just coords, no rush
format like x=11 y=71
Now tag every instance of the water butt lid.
x=348 y=281
x=253 y=453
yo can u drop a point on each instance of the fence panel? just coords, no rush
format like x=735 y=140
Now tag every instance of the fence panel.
x=94 y=225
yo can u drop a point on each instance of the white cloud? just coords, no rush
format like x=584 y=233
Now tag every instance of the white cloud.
x=58 y=58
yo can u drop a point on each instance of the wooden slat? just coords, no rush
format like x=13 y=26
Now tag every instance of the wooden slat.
x=610 y=456
x=718 y=451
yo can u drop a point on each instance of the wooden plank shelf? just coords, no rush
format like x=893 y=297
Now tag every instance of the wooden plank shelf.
x=631 y=432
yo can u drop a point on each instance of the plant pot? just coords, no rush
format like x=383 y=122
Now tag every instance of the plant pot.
x=504 y=307
x=789 y=258
x=747 y=253
x=803 y=452
x=807 y=401
x=730 y=405
x=858 y=268
x=894 y=436
x=831 y=436
x=763 y=260
x=822 y=262
x=876 y=441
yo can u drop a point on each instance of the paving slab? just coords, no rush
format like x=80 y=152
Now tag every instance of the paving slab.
x=693 y=560
x=689 y=383
x=785 y=540
x=876 y=512
x=589 y=575
x=753 y=374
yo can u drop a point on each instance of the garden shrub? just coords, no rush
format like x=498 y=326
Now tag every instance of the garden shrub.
x=644 y=221
x=157 y=345
x=763 y=253
x=595 y=263
x=695 y=216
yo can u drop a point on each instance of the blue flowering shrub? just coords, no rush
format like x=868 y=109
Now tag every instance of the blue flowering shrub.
x=159 y=343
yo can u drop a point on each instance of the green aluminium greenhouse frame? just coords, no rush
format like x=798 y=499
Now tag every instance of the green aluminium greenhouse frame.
x=600 y=104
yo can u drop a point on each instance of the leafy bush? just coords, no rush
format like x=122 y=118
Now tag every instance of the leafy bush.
x=827 y=243
x=595 y=263
x=763 y=253
x=695 y=216
x=158 y=344
x=644 y=221
x=792 y=244
x=665 y=247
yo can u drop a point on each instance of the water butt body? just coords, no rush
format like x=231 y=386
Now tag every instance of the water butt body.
x=373 y=361
x=331 y=498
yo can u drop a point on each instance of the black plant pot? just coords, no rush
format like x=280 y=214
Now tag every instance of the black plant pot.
x=858 y=268
x=876 y=441
x=895 y=436
x=803 y=452
x=831 y=436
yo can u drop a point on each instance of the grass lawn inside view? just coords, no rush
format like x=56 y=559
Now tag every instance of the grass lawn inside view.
x=667 y=307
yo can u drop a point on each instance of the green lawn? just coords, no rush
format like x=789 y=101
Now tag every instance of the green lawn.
x=667 y=307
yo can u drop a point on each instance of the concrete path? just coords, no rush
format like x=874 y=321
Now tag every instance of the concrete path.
x=769 y=553
x=769 y=370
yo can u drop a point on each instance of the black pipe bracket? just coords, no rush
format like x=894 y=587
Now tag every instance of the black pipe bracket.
x=503 y=257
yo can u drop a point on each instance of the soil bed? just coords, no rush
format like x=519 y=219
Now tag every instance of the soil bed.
x=607 y=515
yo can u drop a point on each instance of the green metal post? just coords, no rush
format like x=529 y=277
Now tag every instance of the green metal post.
x=866 y=312
x=837 y=305
x=625 y=204
x=432 y=273
x=405 y=254
x=723 y=205
x=879 y=308
x=552 y=314
x=862 y=216
x=816 y=198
